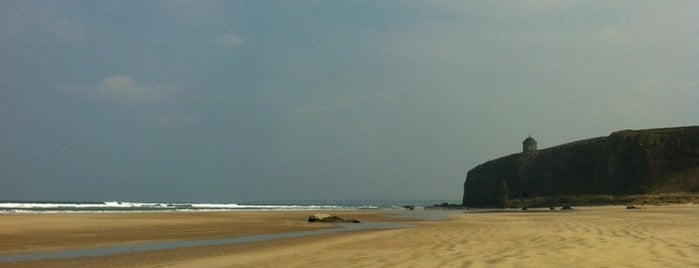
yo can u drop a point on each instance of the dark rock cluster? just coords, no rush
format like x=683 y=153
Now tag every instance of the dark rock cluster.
x=322 y=217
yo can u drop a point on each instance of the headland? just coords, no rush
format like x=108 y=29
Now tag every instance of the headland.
x=648 y=166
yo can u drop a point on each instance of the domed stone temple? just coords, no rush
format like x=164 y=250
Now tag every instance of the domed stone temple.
x=529 y=145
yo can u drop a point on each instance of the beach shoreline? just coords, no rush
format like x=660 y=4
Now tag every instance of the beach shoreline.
x=39 y=233
x=649 y=237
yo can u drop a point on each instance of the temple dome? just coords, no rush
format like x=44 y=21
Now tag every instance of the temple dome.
x=529 y=144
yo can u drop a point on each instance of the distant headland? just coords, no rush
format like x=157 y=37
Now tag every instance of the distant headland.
x=628 y=166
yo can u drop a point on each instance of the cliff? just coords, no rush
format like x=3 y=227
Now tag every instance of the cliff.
x=625 y=162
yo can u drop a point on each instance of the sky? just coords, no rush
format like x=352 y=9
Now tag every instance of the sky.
x=240 y=101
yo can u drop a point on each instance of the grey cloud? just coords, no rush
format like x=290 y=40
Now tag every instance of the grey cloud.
x=230 y=40
x=124 y=88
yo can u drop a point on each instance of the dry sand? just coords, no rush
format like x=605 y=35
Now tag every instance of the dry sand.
x=663 y=236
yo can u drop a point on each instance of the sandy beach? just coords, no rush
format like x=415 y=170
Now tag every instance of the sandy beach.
x=654 y=236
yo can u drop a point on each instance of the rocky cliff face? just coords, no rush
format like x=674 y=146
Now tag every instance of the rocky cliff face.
x=626 y=162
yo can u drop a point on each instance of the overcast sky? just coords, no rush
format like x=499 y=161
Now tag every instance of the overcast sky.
x=233 y=101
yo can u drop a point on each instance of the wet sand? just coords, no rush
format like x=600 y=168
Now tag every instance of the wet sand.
x=663 y=236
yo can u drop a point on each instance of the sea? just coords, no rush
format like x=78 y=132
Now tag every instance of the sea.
x=15 y=207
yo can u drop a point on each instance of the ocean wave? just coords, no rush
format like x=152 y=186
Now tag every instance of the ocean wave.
x=120 y=206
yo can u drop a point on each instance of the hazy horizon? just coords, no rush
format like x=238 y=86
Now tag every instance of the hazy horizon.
x=230 y=101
